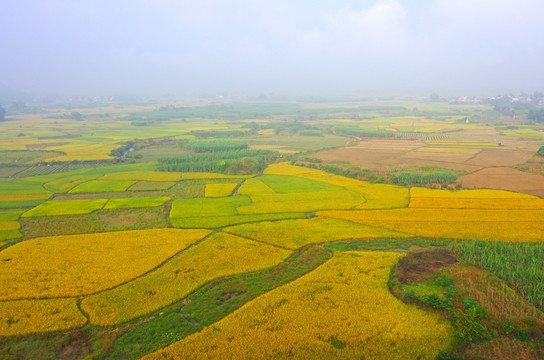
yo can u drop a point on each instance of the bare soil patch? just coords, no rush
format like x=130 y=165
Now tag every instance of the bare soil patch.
x=419 y=265
x=506 y=179
x=500 y=157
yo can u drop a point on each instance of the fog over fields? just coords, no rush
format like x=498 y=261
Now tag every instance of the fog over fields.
x=281 y=47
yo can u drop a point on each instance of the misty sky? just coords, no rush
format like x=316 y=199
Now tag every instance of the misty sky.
x=156 y=47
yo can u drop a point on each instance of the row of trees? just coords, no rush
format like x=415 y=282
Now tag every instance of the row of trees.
x=409 y=178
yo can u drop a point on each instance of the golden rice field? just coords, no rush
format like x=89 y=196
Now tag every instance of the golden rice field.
x=22 y=317
x=219 y=190
x=83 y=152
x=219 y=255
x=301 y=202
x=343 y=310
x=473 y=199
x=381 y=196
x=469 y=224
x=291 y=170
x=19 y=197
x=75 y=265
x=293 y=234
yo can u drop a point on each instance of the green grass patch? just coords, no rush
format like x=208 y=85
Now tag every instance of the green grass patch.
x=135 y=202
x=134 y=219
x=11 y=214
x=213 y=145
x=66 y=207
x=292 y=184
x=10 y=234
x=20 y=203
x=102 y=186
x=151 y=185
x=60 y=225
x=207 y=207
x=20 y=187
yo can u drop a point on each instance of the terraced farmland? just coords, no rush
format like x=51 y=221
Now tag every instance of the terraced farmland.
x=299 y=245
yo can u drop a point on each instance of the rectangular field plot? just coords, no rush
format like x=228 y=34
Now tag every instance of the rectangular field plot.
x=60 y=225
x=293 y=184
x=74 y=265
x=219 y=190
x=302 y=202
x=469 y=224
x=135 y=202
x=313 y=174
x=254 y=186
x=220 y=221
x=341 y=310
x=186 y=208
x=293 y=234
x=102 y=186
x=66 y=207
x=473 y=199
x=22 y=187
x=151 y=185
x=217 y=256
x=23 y=317
x=144 y=176
x=134 y=218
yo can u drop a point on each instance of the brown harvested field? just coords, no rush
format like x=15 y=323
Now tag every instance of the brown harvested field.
x=404 y=163
x=371 y=154
x=506 y=179
x=498 y=157
x=442 y=154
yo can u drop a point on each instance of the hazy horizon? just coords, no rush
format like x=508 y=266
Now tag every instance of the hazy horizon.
x=295 y=48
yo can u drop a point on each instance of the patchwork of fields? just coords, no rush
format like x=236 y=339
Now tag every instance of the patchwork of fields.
x=285 y=249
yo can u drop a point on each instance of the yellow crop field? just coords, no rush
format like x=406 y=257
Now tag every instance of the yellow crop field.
x=473 y=199
x=19 y=197
x=22 y=317
x=143 y=176
x=74 y=265
x=83 y=152
x=467 y=194
x=267 y=132
x=341 y=310
x=293 y=234
x=9 y=225
x=381 y=196
x=470 y=224
x=218 y=255
x=254 y=186
x=219 y=190
x=291 y=170
x=301 y=202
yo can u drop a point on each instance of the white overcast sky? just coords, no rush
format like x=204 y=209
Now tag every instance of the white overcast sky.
x=155 y=47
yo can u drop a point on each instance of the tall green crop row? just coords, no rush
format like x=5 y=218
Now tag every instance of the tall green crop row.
x=408 y=178
x=519 y=264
